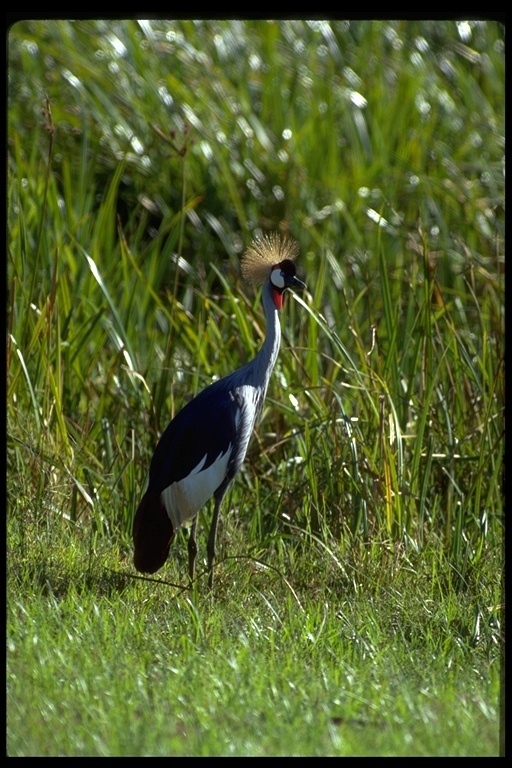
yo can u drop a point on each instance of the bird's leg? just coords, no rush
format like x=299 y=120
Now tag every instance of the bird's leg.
x=211 y=540
x=192 y=549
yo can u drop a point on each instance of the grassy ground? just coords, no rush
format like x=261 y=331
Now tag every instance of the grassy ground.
x=358 y=606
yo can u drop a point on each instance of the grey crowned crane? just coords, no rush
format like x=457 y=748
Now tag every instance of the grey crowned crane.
x=205 y=444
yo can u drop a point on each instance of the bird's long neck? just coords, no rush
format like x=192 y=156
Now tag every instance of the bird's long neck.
x=264 y=361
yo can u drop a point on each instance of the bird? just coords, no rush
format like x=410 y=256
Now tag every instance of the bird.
x=204 y=446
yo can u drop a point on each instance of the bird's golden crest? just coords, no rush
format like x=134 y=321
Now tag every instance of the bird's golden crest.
x=263 y=254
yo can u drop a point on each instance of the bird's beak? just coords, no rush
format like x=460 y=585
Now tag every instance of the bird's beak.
x=293 y=282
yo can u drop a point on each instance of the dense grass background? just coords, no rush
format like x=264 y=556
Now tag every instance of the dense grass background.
x=358 y=605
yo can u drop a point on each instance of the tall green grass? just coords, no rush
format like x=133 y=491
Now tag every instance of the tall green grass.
x=143 y=156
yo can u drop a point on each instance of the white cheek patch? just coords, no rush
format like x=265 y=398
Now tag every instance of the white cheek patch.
x=184 y=499
x=277 y=278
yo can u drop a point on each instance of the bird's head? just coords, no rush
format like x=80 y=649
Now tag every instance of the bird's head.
x=272 y=258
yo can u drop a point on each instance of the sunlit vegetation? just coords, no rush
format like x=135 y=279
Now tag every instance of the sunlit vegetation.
x=358 y=602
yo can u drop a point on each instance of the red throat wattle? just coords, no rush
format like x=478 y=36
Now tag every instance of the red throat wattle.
x=278 y=298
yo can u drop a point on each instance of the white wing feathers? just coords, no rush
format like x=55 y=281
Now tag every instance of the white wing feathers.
x=184 y=499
